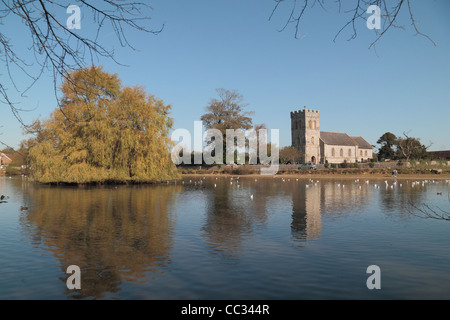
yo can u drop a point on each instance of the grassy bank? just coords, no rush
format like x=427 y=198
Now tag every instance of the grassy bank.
x=245 y=170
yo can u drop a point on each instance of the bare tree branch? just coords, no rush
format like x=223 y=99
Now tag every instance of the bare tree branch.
x=389 y=9
x=56 y=47
x=426 y=212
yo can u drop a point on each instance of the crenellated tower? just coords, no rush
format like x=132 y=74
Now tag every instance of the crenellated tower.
x=305 y=134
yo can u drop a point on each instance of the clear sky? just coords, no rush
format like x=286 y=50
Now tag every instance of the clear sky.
x=206 y=44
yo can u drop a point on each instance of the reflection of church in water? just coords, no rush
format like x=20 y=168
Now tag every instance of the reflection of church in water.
x=315 y=200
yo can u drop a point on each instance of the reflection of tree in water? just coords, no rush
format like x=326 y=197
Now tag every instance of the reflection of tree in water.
x=436 y=209
x=113 y=235
x=230 y=217
x=397 y=196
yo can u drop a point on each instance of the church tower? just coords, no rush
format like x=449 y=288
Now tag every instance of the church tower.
x=305 y=134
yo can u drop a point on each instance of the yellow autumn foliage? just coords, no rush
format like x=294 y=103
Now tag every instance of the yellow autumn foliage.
x=103 y=132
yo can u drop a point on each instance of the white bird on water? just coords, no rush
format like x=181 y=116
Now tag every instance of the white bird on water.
x=251 y=197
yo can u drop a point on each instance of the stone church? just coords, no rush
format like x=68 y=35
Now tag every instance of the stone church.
x=325 y=147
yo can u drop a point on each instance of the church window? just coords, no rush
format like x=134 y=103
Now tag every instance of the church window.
x=366 y=153
x=332 y=152
x=360 y=153
x=315 y=125
x=310 y=124
x=349 y=152
x=312 y=140
x=341 y=153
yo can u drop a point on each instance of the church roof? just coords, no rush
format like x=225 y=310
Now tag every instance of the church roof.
x=362 y=144
x=337 y=138
x=343 y=139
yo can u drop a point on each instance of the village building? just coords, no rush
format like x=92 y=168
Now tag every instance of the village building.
x=325 y=147
x=4 y=159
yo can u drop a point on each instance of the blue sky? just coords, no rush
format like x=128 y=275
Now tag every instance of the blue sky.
x=402 y=86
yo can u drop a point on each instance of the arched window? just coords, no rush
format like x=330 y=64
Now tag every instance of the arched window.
x=315 y=125
x=360 y=153
x=341 y=153
x=332 y=152
x=366 y=153
x=312 y=140
x=310 y=124
x=349 y=152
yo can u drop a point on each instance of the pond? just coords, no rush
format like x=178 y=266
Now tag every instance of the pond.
x=226 y=238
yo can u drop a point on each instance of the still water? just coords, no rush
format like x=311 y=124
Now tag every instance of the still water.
x=226 y=238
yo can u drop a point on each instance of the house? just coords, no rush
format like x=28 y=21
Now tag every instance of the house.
x=4 y=159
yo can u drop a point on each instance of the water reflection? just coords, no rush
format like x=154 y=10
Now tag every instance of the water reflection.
x=306 y=214
x=112 y=234
x=232 y=213
x=123 y=234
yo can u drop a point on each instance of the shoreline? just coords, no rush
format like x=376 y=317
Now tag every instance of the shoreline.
x=412 y=176
x=299 y=175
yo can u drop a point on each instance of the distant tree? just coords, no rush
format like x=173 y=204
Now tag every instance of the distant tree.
x=410 y=148
x=257 y=136
x=227 y=112
x=289 y=155
x=387 y=141
x=7 y=150
x=103 y=132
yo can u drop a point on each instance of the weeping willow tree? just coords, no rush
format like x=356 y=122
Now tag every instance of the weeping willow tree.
x=103 y=132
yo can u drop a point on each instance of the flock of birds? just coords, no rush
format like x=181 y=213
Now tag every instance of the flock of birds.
x=311 y=183
x=385 y=183
x=234 y=180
